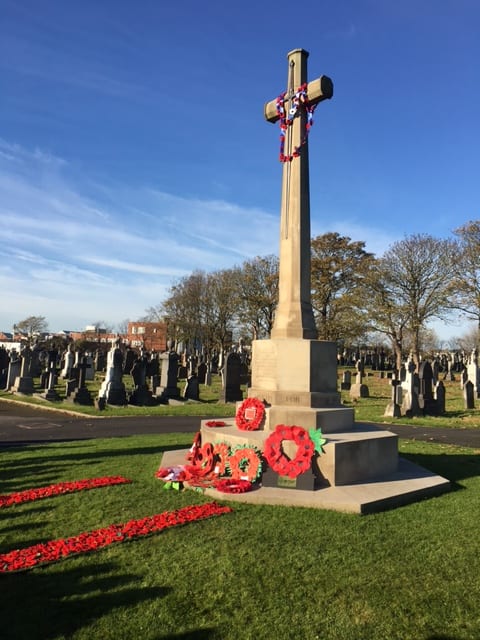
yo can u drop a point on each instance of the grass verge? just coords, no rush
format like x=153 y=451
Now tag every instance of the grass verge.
x=257 y=573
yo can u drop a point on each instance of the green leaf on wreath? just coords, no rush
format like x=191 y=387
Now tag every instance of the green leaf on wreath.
x=317 y=439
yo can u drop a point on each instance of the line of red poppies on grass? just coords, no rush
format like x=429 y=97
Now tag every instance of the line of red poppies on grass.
x=90 y=541
x=58 y=489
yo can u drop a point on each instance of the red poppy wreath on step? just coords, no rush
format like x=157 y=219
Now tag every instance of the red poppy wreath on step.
x=278 y=460
x=250 y=414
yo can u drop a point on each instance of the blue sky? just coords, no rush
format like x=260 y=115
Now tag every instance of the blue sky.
x=133 y=148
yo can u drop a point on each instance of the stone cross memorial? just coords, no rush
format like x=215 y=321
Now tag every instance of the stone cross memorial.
x=295 y=375
x=294 y=317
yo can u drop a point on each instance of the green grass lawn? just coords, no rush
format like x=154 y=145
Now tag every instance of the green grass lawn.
x=260 y=572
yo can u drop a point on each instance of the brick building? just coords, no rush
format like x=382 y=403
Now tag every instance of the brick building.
x=152 y=336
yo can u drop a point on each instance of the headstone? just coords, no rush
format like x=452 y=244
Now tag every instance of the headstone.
x=202 y=373
x=359 y=390
x=90 y=370
x=426 y=401
x=168 y=376
x=24 y=382
x=231 y=391
x=468 y=395
x=81 y=394
x=4 y=361
x=68 y=364
x=473 y=372
x=100 y=360
x=192 y=365
x=50 y=392
x=130 y=357
x=191 y=391
x=346 y=382
x=182 y=372
x=113 y=388
x=13 y=369
x=393 y=409
x=440 y=397
x=141 y=394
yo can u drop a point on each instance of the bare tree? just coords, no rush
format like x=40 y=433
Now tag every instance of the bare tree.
x=258 y=291
x=122 y=327
x=32 y=325
x=465 y=289
x=409 y=286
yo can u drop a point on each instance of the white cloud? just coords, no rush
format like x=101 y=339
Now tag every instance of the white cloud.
x=69 y=256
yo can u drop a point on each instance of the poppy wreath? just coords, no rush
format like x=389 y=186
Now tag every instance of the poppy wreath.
x=245 y=463
x=215 y=423
x=300 y=98
x=203 y=462
x=250 y=414
x=196 y=444
x=221 y=452
x=276 y=457
x=231 y=485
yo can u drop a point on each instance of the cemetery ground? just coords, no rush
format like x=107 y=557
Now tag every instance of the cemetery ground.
x=369 y=409
x=257 y=572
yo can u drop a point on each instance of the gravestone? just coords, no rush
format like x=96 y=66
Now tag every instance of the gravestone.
x=468 y=395
x=440 y=397
x=81 y=394
x=100 y=360
x=473 y=372
x=410 y=390
x=130 y=357
x=191 y=391
x=141 y=394
x=426 y=400
x=14 y=367
x=346 y=382
x=4 y=361
x=50 y=391
x=68 y=364
x=182 y=372
x=112 y=389
x=168 y=377
x=24 y=382
x=202 y=373
x=90 y=370
x=393 y=409
x=359 y=389
x=231 y=391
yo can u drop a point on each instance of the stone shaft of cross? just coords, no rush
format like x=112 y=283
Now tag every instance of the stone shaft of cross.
x=294 y=317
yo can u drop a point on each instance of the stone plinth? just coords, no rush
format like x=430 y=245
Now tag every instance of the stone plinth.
x=298 y=378
x=334 y=419
x=295 y=372
x=358 y=456
x=408 y=484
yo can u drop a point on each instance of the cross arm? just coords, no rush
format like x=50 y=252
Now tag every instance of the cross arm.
x=317 y=90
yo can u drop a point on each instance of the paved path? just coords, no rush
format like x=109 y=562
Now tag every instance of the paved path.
x=24 y=424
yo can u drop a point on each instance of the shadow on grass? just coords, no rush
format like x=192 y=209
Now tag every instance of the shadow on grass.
x=454 y=467
x=47 y=605
x=43 y=467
